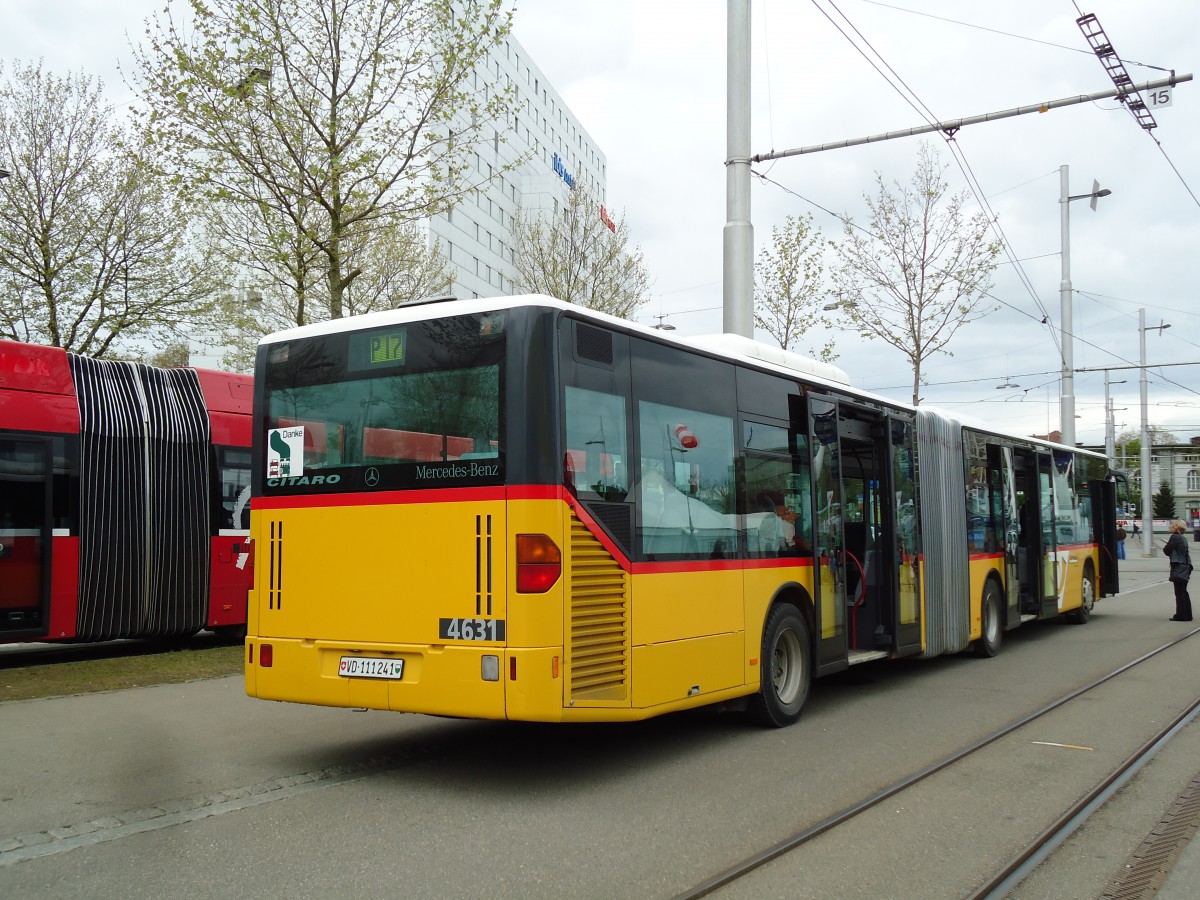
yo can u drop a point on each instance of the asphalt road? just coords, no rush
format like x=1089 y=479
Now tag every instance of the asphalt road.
x=195 y=790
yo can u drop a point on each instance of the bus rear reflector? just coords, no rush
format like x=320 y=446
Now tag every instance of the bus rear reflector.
x=539 y=563
x=266 y=655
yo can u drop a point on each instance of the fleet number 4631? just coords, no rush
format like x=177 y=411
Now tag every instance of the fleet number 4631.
x=471 y=629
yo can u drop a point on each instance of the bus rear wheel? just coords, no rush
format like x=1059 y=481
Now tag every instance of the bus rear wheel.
x=991 y=628
x=786 y=669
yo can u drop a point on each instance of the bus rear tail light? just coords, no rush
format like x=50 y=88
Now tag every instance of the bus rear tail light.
x=266 y=655
x=539 y=563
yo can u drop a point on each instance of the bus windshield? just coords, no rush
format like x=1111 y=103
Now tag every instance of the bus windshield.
x=413 y=405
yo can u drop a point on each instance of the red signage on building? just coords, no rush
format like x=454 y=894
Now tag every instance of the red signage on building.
x=606 y=220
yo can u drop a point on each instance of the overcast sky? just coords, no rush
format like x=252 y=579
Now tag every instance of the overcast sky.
x=647 y=80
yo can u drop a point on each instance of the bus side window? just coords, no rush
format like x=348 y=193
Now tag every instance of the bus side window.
x=686 y=490
x=597 y=445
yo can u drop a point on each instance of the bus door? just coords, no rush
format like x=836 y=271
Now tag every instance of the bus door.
x=1104 y=512
x=1036 y=551
x=866 y=556
x=1049 y=537
x=906 y=565
x=856 y=563
x=25 y=518
x=829 y=581
x=1004 y=495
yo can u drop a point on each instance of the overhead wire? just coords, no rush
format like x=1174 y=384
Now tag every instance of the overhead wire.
x=922 y=109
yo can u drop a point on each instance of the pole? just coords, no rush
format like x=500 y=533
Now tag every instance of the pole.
x=1109 y=426
x=949 y=126
x=1147 y=519
x=1067 y=402
x=738 y=237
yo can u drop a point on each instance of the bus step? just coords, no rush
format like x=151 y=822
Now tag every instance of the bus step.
x=862 y=656
x=1027 y=617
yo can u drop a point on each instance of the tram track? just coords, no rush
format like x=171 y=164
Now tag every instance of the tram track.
x=1037 y=849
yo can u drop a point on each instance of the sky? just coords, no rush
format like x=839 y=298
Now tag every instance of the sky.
x=647 y=79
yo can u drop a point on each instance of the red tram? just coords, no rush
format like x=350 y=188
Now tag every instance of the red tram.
x=124 y=498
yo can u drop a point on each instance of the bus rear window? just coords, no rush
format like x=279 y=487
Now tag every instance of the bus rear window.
x=395 y=408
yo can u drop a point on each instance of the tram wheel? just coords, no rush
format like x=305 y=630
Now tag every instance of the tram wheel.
x=1087 y=600
x=786 y=669
x=992 y=628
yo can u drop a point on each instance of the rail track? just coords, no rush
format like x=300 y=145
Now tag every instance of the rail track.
x=1038 y=849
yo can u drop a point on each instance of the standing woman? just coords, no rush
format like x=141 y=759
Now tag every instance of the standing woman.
x=1176 y=549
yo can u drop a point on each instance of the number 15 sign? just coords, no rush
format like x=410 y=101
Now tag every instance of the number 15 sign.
x=1159 y=98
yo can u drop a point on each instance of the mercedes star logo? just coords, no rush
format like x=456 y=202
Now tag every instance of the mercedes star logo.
x=371 y=477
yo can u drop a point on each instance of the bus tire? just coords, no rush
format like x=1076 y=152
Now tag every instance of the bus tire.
x=991 y=627
x=1087 y=599
x=786 y=668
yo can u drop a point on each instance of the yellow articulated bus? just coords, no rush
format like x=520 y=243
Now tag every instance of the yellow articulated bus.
x=515 y=508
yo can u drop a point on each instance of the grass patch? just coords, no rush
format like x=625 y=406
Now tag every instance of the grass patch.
x=87 y=676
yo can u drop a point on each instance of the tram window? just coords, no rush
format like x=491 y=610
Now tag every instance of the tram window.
x=23 y=476
x=235 y=481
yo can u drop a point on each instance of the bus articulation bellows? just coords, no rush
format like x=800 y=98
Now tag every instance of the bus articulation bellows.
x=124 y=498
x=515 y=508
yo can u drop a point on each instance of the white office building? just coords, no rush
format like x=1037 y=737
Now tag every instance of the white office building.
x=476 y=236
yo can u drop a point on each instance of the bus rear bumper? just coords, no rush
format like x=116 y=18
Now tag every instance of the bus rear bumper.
x=439 y=680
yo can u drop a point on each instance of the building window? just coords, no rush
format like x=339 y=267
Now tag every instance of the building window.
x=1193 y=480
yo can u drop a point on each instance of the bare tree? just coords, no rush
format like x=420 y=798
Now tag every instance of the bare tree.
x=95 y=255
x=329 y=122
x=579 y=254
x=1131 y=439
x=790 y=294
x=282 y=284
x=920 y=271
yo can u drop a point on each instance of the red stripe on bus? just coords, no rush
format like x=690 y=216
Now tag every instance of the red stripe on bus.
x=719 y=565
x=380 y=498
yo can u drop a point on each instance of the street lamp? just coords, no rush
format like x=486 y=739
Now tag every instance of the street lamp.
x=1067 y=402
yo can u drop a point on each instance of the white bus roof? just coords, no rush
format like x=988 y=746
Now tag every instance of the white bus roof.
x=723 y=344
x=727 y=345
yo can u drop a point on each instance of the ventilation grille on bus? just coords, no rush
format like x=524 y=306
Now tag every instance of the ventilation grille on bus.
x=275 y=567
x=593 y=344
x=599 y=648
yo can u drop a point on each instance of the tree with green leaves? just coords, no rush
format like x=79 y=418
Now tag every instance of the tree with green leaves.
x=96 y=253
x=1164 y=502
x=329 y=125
x=577 y=256
x=920 y=270
x=789 y=291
